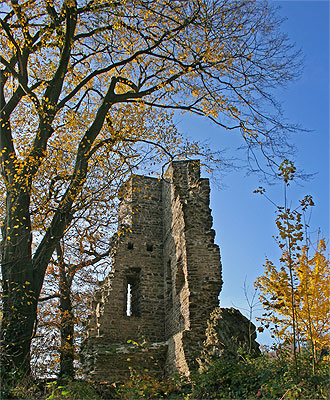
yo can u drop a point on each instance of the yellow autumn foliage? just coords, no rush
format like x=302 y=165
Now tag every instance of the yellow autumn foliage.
x=311 y=293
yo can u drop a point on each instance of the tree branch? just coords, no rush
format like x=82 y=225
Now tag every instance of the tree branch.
x=64 y=213
x=50 y=297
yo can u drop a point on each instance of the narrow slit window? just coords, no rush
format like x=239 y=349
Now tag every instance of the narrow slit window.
x=133 y=295
x=180 y=279
x=129 y=300
x=130 y=246
x=168 y=284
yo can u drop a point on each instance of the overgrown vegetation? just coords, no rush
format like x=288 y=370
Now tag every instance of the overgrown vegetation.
x=271 y=375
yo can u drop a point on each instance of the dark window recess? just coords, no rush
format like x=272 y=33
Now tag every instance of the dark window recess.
x=130 y=246
x=179 y=279
x=133 y=295
x=150 y=247
x=168 y=283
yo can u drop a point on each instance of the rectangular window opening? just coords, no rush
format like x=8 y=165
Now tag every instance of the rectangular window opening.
x=133 y=295
x=129 y=300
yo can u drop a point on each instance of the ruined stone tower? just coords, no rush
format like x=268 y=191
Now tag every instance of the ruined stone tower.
x=152 y=310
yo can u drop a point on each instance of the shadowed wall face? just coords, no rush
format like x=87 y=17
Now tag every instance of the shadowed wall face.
x=165 y=281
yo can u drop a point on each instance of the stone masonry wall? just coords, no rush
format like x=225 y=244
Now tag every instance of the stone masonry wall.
x=166 y=262
x=189 y=244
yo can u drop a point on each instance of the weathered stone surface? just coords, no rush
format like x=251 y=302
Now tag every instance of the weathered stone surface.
x=109 y=362
x=228 y=333
x=166 y=265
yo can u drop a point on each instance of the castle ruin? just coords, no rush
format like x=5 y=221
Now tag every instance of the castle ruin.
x=151 y=312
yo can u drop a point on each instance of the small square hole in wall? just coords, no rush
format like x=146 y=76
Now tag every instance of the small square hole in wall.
x=130 y=246
x=150 y=247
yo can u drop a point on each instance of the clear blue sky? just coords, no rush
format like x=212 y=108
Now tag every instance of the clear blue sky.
x=243 y=221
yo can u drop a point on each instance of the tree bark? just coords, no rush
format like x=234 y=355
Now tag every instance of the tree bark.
x=19 y=295
x=22 y=273
x=66 y=320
